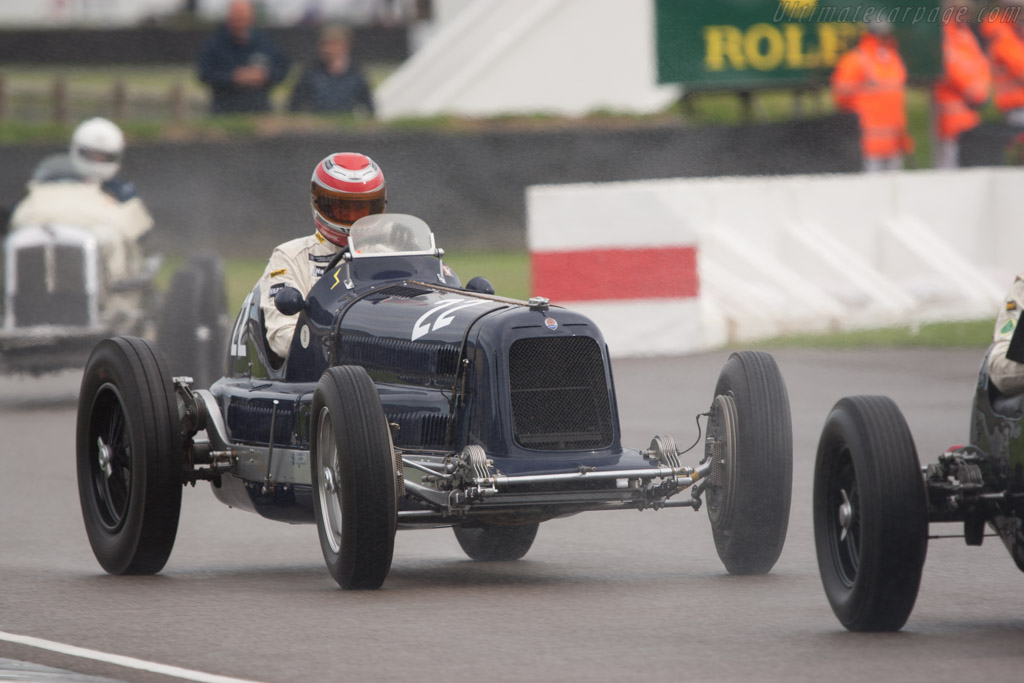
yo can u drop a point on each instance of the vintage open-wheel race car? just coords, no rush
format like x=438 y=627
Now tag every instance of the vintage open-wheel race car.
x=874 y=503
x=77 y=273
x=408 y=401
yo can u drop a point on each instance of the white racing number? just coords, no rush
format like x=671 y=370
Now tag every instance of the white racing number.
x=444 y=311
x=239 y=335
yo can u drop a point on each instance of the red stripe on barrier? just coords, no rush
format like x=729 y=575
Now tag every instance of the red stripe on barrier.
x=616 y=274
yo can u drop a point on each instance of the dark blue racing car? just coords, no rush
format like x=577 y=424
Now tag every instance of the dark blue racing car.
x=410 y=401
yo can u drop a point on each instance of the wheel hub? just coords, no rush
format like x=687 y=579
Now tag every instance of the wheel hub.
x=104 y=456
x=329 y=484
x=845 y=515
x=720 y=447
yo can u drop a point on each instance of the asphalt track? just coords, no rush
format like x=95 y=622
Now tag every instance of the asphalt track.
x=600 y=597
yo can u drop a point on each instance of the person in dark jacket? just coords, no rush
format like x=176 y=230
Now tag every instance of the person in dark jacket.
x=333 y=83
x=241 y=64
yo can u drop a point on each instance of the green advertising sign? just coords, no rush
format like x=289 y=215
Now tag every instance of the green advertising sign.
x=745 y=44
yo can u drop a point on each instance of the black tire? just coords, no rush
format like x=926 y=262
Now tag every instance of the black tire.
x=131 y=497
x=496 y=543
x=354 y=478
x=867 y=462
x=192 y=331
x=750 y=487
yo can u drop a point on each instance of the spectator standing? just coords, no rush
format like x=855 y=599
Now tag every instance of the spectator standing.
x=871 y=81
x=964 y=86
x=241 y=64
x=333 y=83
x=1005 y=36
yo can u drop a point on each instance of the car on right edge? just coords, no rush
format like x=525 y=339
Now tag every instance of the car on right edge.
x=873 y=502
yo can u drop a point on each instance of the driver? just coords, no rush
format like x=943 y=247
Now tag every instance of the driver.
x=345 y=187
x=1007 y=375
x=81 y=187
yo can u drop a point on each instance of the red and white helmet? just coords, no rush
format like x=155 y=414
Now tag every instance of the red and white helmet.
x=345 y=187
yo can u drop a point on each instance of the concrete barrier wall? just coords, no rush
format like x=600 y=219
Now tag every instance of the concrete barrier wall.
x=624 y=260
x=795 y=254
x=992 y=144
x=155 y=45
x=242 y=198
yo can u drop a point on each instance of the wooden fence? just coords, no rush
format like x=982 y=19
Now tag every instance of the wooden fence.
x=59 y=102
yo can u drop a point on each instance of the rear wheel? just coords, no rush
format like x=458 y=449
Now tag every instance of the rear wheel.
x=496 y=543
x=870 y=514
x=128 y=455
x=193 y=325
x=354 y=478
x=750 y=439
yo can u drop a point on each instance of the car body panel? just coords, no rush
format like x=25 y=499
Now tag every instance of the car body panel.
x=528 y=383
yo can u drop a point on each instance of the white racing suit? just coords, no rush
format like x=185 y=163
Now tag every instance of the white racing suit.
x=1007 y=375
x=117 y=225
x=299 y=264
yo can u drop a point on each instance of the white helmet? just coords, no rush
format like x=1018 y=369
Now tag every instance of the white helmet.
x=96 y=149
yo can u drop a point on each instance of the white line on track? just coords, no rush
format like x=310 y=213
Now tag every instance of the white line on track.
x=119 y=660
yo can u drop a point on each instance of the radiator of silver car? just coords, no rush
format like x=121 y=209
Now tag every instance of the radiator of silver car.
x=51 y=277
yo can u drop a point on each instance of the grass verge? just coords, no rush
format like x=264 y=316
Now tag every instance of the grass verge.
x=965 y=333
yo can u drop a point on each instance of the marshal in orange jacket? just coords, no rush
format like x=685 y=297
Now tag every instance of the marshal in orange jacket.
x=1006 y=50
x=966 y=81
x=870 y=80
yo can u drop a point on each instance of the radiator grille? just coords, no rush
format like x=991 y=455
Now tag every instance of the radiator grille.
x=50 y=286
x=559 y=394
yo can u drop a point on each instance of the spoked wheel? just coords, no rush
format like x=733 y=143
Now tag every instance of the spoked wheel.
x=491 y=543
x=750 y=441
x=129 y=456
x=354 y=478
x=843 y=499
x=870 y=514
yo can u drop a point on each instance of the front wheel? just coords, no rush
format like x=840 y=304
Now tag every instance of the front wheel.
x=128 y=453
x=870 y=514
x=491 y=543
x=750 y=442
x=354 y=478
